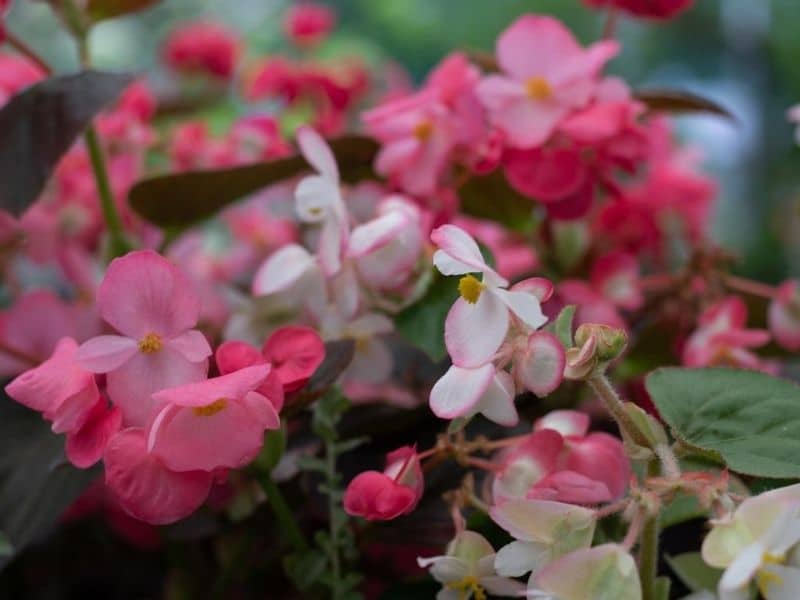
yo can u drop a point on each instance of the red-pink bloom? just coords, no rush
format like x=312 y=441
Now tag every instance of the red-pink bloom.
x=295 y=353
x=396 y=491
x=4 y=4
x=203 y=47
x=651 y=9
x=87 y=444
x=307 y=24
x=784 y=315
x=216 y=423
x=545 y=76
x=144 y=487
x=560 y=461
x=154 y=306
x=722 y=339
x=16 y=73
x=59 y=388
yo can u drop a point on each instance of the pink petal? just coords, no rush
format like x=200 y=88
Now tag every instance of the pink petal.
x=376 y=497
x=86 y=446
x=282 y=269
x=145 y=488
x=784 y=323
x=106 y=353
x=375 y=234
x=317 y=152
x=569 y=423
x=616 y=276
x=540 y=368
x=192 y=345
x=586 y=64
x=474 y=332
x=232 y=386
x=131 y=387
x=143 y=292
x=524 y=306
x=546 y=175
x=528 y=123
x=263 y=408
x=601 y=457
x=234 y=355
x=459 y=245
x=459 y=390
x=396 y=156
x=538 y=286
x=527 y=463
x=571 y=487
x=294 y=353
x=535 y=46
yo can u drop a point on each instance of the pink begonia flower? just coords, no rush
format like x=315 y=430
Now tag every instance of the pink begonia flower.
x=545 y=174
x=87 y=444
x=16 y=73
x=234 y=355
x=462 y=392
x=793 y=115
x=546 y=75
x=294 y=353
x=722 y=339
x=59 y=388
x=4 y=4
x=396 y=491
x=202 y=47
x=606 y=571
x=216 y=423
x=388 y=247
x=467 y=570
x=307 y=24
x=514 y=255
x=153 y=305
x=144 y=487
x=479 y=320
x=560 y=461
x=651 y=9
x=784 y=315
x=543 y=531
x=32 y=327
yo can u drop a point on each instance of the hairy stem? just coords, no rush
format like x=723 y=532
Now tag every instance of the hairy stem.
x=615 y=407
x=336 y=566
x=648 y=548
x=282 y=512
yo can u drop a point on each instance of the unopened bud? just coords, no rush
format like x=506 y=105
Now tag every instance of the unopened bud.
x=610 y=341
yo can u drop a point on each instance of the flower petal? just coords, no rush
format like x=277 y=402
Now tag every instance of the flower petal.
x=474 y=332
x=540 y=368
x=282 y=269
x=317 y=152
x=233 y=386
x=192 y=345
x=524 y=305
x=458 y=391
x=106 y=353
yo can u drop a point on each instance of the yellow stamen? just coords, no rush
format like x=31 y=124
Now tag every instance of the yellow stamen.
x=468 y=586
x=470 y=288
x=362 y=344
x=765 y=578
x=209 y=410
x=538 y=88
x=423 y=130
x=150 y=343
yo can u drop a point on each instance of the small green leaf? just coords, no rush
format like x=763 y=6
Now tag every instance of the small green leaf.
x=693 y=572
x=663 y=584
x=752 y=420
x=563 y=325
x=491 y=197
x=107 y=9
x=422 y=323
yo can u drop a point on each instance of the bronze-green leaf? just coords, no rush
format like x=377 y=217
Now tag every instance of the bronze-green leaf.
x=680 y=102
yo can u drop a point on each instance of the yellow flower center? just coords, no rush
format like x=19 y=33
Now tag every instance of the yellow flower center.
x=467 y=587
x=764 y=578
x=423 y=130
x=150 y=343
x=209 y=410
x=538 y=88
x=470 y=288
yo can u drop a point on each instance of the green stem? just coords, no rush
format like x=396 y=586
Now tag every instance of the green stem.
x=336 y=567
x=616 y=408
x=648 y=548
x=282 y=513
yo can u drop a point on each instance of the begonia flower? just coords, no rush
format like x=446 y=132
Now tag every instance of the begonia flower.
x=87 y=444
x=212 y=424
x=307 y=24
x=545 y=76
x=463 y=392
x=467 y=570
x=203 y=47
x=16 y=73
x=650 y=9
x=154 y=306
x=543 y=531
x=382 y=496
x=784 y=315
x=758 y=542
x=484 y=305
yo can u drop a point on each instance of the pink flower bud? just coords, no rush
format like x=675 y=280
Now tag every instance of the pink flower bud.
x=648 y=9
x=384 y=496
x=307 y=24
x=784 y=315
x=202 y=47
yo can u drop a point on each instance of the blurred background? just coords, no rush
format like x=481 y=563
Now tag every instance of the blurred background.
x=745 y=54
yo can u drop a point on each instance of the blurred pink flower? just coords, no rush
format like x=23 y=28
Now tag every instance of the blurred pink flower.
x=307 y=24
x=202 y=47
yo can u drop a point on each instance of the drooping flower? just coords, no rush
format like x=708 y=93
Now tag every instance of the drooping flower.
x=758 y=542
x=154 y=306
x=467 y=570
x=203 y=47
x=784 y=315
x=307 y=24
x=650 y=9
x=381 y=496
x=213 y=424
x=545 y=76
x=479 y=320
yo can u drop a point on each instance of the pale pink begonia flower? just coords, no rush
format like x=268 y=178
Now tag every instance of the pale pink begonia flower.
x=479 y=320
x=154 y=306
x=758 y=542
x=543 y=530
x=213 y=424
x=783 y=315
x=462 y=392
x=386 y=495
x=467 y=570
x=545 y=76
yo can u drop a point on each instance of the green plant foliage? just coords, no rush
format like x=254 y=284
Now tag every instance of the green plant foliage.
x=749 y=419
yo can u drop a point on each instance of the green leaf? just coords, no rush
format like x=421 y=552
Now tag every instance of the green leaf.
x=491 y=197
x=693 y=572
x=680 y=102
x=682 y=508
x=306 y=569
x=181 y=199
x=751 y=420
x=563 y=325
x=99 y=10
x=273 y=449
x=663 y=585
x=422 y=323
x=6 y=549
x=40 y=124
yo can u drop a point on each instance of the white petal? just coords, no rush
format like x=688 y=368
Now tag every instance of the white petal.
x=330 y=247
x=315 y=198
x=781 y=583
x=474 y=332
x=376 y=234
x=458 y=391
x=518 y=558
x=317 y=152
x=497 y=402
x=742 y=570
x=524 y=305
x=448 y=265
x=459 y=245
x=282 y=269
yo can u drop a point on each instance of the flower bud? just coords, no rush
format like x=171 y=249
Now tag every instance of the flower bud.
x=610 y=341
